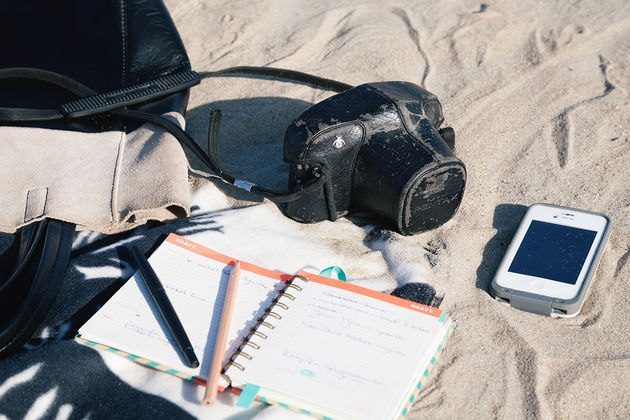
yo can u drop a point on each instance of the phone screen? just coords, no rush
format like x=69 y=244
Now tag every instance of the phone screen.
x=552 y=251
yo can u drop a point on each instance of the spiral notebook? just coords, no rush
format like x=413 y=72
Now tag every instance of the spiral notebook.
x=308 y=343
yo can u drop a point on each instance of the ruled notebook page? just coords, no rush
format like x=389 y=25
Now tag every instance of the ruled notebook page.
x=341 y=353
x=196 y=284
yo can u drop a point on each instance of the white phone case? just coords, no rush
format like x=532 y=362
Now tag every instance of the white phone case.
x=546 y=305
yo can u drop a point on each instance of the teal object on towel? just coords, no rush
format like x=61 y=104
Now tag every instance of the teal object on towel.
x=334 y=272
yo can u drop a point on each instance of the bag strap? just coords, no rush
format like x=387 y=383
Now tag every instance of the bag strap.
x=116 y=103
x=27 y=294
x=90 y=102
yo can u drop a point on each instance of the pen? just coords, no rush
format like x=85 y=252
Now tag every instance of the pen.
x=158 y=295
x=224 y=329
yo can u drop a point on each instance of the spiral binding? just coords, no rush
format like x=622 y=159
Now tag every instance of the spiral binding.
x=262 y=321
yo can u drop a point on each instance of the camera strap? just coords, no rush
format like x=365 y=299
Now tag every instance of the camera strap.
x=90 y=103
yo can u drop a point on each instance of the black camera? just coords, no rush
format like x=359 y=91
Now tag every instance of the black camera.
x=381 y=149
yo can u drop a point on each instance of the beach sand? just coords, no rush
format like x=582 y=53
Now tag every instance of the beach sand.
x=538 y=95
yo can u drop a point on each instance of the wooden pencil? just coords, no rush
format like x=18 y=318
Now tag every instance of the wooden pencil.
x=222 y=336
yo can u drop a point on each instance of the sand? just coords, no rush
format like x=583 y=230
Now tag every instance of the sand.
x=537 y=93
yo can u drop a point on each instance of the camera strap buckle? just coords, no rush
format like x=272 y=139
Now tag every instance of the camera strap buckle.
x=247 y=186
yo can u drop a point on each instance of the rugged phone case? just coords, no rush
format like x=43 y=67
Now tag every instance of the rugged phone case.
x=545 y=305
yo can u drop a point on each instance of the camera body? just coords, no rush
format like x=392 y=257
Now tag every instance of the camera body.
x=380 y=146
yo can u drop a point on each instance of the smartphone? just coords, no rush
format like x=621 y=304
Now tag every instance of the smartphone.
x=551 y=260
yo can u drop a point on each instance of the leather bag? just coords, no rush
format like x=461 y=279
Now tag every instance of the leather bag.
x=74 y=69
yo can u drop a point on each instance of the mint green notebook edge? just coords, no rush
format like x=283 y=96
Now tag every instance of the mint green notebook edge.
x=427 y=370
x=140 y=360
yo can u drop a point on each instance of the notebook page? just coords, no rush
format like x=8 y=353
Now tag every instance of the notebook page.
x=195 y=279
x=349 y=350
